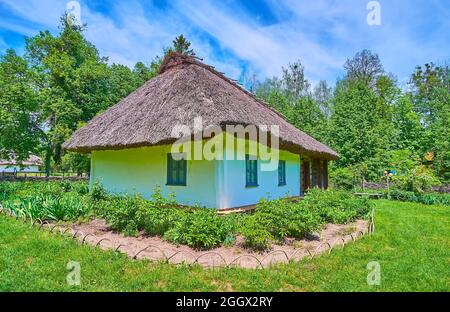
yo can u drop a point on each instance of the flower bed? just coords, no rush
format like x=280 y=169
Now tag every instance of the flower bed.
x=272 y=222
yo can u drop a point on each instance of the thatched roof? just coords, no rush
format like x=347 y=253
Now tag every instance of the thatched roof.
x=184 y=89
x=32 y=160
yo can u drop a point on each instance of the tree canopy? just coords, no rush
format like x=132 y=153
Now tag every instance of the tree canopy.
x=61 y=82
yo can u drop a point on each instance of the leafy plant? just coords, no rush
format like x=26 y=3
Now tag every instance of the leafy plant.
x=420 y=179
x=202 y=228
x=336 y=206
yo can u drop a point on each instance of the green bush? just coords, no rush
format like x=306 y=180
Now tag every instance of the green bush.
x=424 y=198
x=286 y=218
x=203 y=228
x=64 y=207
x=255 y=234
x=342 y=178
x=121 y=213
x=334 y=206
x=418 y=180
x=156 y=220
x=65 y=185
x=98 y=191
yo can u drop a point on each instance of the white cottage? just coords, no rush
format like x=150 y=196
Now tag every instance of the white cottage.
x=12 y=165
x=135 y=145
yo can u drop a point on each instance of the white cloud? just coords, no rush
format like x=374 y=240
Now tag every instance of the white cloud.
x=322 y=34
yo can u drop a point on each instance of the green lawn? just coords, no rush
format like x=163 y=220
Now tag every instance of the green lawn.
x=411 y=244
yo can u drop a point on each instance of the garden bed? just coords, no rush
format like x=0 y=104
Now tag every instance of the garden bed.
x=98 y=233
x=279 y=225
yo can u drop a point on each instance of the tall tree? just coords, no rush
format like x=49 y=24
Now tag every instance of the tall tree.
x=365 y=67
x=182 y=45
x=294 y=82
x=323 y=95
x=72 y=80
x=430 y=92
x=19 y=100
x=355 y=128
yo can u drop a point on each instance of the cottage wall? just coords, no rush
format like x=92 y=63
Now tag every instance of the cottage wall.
x=141 y=170
x=234 y=192
x=216 y=184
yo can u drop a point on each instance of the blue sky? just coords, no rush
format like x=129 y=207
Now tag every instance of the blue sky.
x=259 y=36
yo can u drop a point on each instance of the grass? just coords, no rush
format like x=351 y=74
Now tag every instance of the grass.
x=410 y=243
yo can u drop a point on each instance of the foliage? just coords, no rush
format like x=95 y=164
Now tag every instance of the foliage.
x=423 y=198
x=182 y=45
x=419 y=179
x=364 y=67
x=335 y=206
x=64 y=207
x=121 y=213
x=98 y=191
x=342 y=178
x=202 y=228
x=403 y=229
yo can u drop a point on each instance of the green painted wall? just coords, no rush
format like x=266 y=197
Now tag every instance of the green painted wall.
x=142 y=169
x=216 y=184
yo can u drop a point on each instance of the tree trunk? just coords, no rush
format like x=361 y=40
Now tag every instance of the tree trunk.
x=48 y=160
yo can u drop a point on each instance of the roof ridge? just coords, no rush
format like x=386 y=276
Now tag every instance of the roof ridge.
x=175 y=59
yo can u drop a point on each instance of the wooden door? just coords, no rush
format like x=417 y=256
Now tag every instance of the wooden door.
x=305 y=177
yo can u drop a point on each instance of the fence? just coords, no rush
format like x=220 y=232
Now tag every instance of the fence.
x=192 y=259
x=40 y=175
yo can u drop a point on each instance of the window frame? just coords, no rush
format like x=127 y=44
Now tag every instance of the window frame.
x=281 y=172
x=251 y=171
x=180 y=169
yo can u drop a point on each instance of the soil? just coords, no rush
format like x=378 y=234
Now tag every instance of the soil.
x=97 y=233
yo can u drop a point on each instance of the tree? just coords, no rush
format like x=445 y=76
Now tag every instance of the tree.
x=19 y=130
x=430 y=94
x=365 y=67
x=409 y=133
x=293 y=80
x=355 y=129
x=182 y=45
x=323 y=95
x=72 y=81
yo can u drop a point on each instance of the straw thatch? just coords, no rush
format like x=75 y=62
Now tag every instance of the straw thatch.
x=184 y=89
x=32 y=160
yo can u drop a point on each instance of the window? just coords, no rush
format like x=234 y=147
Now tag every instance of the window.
x=251 y=171
x=281 y=172
x=176 y=170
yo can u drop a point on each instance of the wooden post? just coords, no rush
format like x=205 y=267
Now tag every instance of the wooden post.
x=325 y=174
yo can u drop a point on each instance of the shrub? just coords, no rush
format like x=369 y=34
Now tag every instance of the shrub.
x=98 y=191
x=342 y=178
x=82 y=188
x=402 y=195
x=65 y=185
x=156 y=220
x=418 y=180
x=255 y=234
x=49 y=207
x=121 y=213
x=285 y=218
x=427 y=199
x=336 y=206
x=202 y=228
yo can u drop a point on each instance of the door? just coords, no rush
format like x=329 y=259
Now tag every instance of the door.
x=305 y=177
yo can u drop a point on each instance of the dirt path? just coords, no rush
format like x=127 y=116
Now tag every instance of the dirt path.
x=98 y=234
